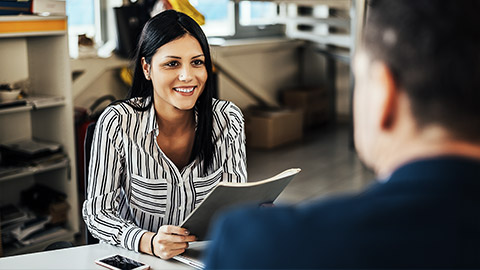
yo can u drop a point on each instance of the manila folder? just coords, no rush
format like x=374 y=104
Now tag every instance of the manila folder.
x=226 y=195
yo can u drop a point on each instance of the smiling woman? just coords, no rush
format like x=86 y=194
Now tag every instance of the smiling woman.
x=157 y=152
x=178 y=66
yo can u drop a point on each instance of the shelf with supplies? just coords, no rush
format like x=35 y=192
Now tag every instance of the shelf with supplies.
x=35 y=49
x=39 y=219
x=31 y=103
x=13 y=172
x=60 y=235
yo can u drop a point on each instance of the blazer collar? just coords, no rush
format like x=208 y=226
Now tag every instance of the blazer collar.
x=438 y=167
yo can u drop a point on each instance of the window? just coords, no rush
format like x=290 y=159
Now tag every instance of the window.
x=219 y=16
x=81 y=20
x=95 y=19
x=257 y=19
x=81 y=17
x=224 y=18
x=257 y=13
x=245 y=19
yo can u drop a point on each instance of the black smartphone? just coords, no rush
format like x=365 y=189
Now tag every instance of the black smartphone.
x=119 y=262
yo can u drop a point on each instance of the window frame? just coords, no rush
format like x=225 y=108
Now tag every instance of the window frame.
x=105 y=25
x=257 y=30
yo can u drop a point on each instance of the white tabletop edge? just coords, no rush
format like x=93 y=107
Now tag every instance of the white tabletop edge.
x=82 y=257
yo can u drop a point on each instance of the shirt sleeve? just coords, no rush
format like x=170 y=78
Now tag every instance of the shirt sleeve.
x=235 y=167
x=105 y=175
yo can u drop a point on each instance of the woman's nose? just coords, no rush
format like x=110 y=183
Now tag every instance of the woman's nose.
x=185 y=75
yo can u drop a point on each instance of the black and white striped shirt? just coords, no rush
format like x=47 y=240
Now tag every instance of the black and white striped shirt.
x=133 y=187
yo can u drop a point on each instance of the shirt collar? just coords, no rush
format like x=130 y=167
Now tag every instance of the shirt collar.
x=152 y=125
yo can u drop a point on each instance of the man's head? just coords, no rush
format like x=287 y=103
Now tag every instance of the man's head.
x=417 y=69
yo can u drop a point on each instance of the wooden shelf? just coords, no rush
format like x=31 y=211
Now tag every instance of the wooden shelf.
x=32 y=25
x=67 y=236
x=42 y=102
x=32 y=170
x=35 y=103
x=16 y=109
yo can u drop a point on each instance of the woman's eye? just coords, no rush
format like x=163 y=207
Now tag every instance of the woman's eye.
x=197 y=62
x=172 y=64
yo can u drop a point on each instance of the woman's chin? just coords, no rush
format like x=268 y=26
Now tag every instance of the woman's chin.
x=184 y=106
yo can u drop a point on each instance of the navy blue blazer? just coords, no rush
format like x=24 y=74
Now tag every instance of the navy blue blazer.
x=427 y=215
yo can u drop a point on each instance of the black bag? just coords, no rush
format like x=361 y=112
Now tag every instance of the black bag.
x=130 y=21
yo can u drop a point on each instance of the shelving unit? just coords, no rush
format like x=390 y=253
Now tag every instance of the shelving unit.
x=313 y=20
x=20 y=172
x=40 y=246
x=36 y=48
x=332 y=28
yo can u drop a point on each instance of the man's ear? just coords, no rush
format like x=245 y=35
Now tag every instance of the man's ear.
x=146 y=68
x=389 y=95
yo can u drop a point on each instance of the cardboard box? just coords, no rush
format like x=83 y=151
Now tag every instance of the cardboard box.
x=271 y=128
x=312 y=101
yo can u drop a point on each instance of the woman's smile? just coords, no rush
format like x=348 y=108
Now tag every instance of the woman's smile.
x=178 y=74
x=185 y=90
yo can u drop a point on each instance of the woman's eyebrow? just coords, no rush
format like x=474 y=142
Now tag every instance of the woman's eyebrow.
x=178 y=57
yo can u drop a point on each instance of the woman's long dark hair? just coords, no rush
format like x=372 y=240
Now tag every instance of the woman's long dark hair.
x=167 y=26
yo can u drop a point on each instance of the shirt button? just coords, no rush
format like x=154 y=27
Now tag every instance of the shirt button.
x=180 y=208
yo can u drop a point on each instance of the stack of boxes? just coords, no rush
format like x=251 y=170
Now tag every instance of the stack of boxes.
x=304 y=108
x=313 y=102
x=269 y=128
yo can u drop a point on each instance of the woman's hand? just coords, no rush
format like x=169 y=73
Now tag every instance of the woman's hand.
x=170 y=241
x=267 y=205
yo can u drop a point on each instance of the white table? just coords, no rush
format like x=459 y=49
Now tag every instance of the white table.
x=82 y=257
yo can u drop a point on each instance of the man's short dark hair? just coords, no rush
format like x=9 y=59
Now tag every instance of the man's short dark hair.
x=433 y=50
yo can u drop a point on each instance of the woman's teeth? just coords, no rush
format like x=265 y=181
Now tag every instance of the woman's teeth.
x=184 y=90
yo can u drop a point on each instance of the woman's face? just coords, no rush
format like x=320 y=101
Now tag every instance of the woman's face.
x=178 y=74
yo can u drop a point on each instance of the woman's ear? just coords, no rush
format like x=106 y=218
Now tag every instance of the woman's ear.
x=146 y=68
x=388 y=97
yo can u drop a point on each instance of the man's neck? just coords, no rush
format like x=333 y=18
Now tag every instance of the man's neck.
x=431 y=142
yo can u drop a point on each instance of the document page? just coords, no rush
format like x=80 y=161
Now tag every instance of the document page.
x=227 y=195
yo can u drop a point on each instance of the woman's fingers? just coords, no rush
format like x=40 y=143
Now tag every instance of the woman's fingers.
x=174 y=234
x=169 y=253
x=171 y=246
x=167 y=250
x=267 y=205
x=162 y=237
x=171 y=241
x=170 y=229
x=175 y=238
